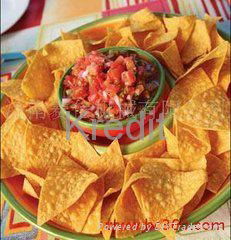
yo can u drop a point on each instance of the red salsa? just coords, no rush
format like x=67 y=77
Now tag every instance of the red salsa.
x=112 y=85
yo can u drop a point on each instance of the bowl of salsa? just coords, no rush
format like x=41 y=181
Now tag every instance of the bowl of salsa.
x=111 y=89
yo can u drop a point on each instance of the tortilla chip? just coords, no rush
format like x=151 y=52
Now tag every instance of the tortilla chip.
x=13 y=90
x=92 y=225
x=28 y=189
x=127 y=39
x=54 y=198
x=29 y=54
x=53 y=144
x=13 y=144
x=127 y=210
x=69 y=35
x=194 y=202
x=171 y=58
x=155 y=150
x=186 y=26
x=112 y=38
x=145 y=20
x=83 y=152
x=224 y=75
x=170 y=233
x=198 y=44
x=76 y=216
x=193 y=145
x=7 y=109
x=220 y=141
x=217 y=52
x=106 y=214
x=172 y=143
x=188 y=87
x=112 y=164
x=218 y=170
x=63 y=53
x=155 y=40
x=213 y=113
x=167 y=191
x=38 y=80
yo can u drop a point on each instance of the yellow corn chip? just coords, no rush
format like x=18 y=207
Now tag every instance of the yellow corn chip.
x=171 y=58
x=209 y=110
x=170 y=190
x=188 y=87
x=220 y=141
x=172 y=144
x=198 y=44
x=54 y=198
x=28 y=189
x=69 y=35
x=144 y=20
x=12 y=89
x=63 y=53
x=218 y=170
x=38 y=80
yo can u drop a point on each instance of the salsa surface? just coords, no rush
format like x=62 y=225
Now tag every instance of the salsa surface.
x=112 y=85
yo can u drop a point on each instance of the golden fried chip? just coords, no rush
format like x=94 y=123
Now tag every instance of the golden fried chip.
x=154 y=40
x=167 y=191
x=75 y=217
x=29 y=54
x=38 y=80
x=170 y=232
x=213 y=59
x=172 y=143
x=106 y=214
x=83 y=152
x=193 y=145
x=127 y=210
x=52 y=144
x=171 y=58
x=7 y=109
x=63 y=53
x=220 y=141
x=13 y=144
x=92 y=225
x=13 y=90
x=55 y=198
x=209 y=110
x=186 y=26
x=188 y=87
x=127 y=39
x=218 y=170
x=145 y=20
x=112 y=164
x=28 y=189
x=224 y=75
x=155 y=150
x=193 y=203
x=198 y=44
x=112 y=38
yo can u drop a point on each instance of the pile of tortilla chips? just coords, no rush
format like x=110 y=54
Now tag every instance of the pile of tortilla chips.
x=82 y=191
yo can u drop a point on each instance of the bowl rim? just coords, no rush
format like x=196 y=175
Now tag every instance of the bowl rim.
x=124 y=122
x=198 y=214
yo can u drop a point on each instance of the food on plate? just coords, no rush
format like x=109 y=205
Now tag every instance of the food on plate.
x=75 y=187
x=112 y=85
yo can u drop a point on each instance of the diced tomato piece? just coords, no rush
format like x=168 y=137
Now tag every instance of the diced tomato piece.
x=130 y=65
x=128 y=77
x=115 y=73
x=112 y=89
x=79 y=93
x=119 y=61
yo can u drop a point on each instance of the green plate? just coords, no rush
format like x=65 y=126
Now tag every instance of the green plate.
x=200 y=213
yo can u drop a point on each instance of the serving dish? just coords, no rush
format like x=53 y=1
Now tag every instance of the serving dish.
x=26 y=208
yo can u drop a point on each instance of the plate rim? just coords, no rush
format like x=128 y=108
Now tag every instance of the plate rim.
x=23 y=10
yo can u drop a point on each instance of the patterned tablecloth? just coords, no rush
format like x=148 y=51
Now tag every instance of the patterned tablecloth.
x=40 y=24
